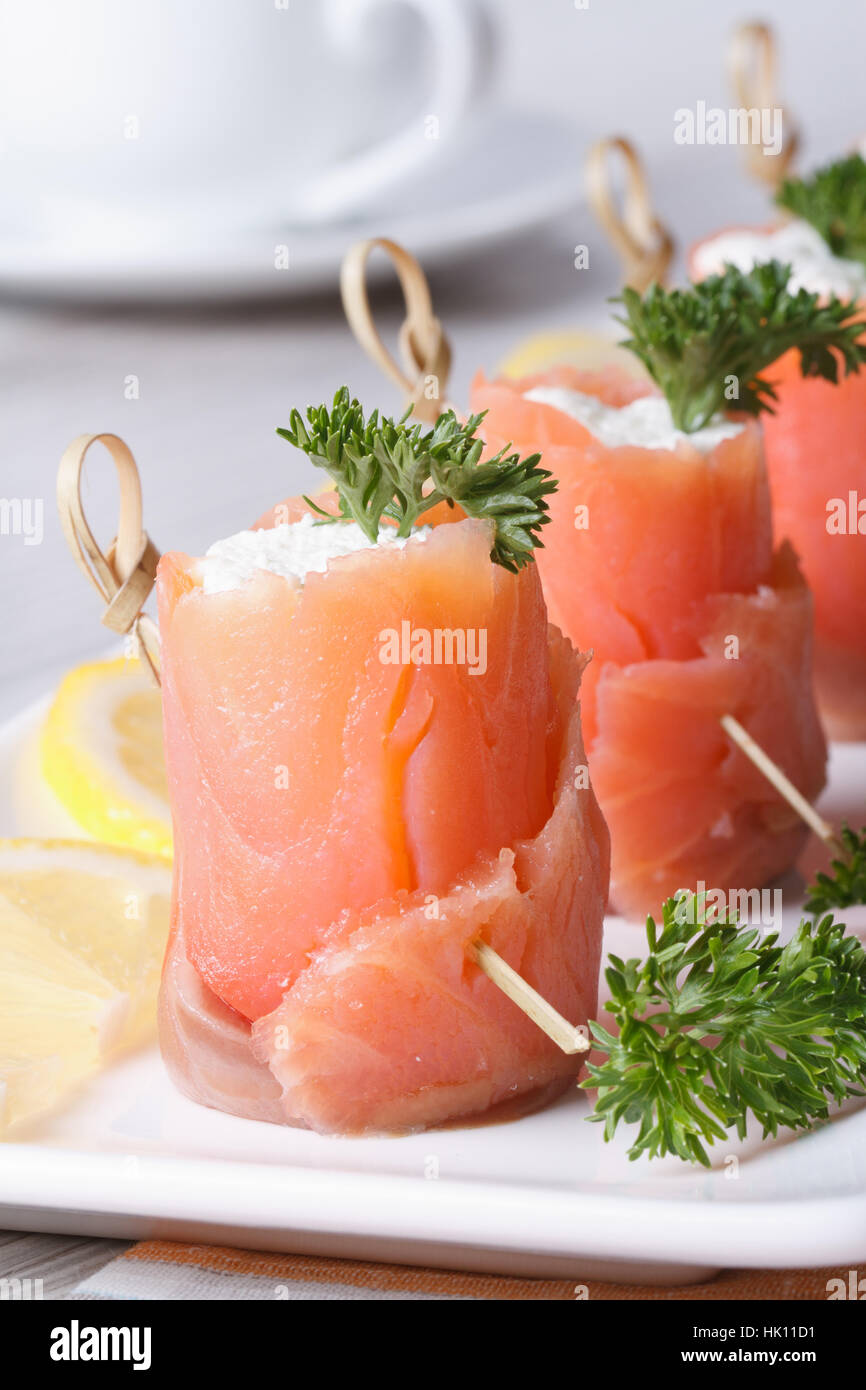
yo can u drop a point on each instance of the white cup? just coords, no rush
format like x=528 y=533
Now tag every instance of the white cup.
x=127 y=117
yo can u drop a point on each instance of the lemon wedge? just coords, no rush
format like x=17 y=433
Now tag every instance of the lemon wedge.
x=101 y=754
x=82 y=935
x=588 y=351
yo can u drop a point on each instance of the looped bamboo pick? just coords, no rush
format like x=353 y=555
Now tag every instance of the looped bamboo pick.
x=752 y=73
x=125 y=576
x=424 y=348
x=645 y=245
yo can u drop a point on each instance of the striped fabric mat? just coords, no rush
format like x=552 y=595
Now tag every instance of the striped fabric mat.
x=163 y=1270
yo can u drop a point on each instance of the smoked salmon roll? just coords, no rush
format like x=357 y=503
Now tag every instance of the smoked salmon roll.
x=660 y=560
x=374 y=757
x=815 y=439
x=641 y=531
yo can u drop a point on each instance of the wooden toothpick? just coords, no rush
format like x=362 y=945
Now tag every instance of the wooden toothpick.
x=569 y=1038
x=751 y=62
x=124 y=576
x=424 y=347
x=643 y=242
x=774 y=774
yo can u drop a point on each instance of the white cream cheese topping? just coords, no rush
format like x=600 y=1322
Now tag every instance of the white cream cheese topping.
x=813 y=265
x=645 y=422
x=293 y=550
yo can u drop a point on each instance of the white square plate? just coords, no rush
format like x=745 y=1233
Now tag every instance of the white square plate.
x=543 y=1195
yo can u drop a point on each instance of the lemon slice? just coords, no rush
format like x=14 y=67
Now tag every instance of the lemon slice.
x=588 y=351
x=27 y=1087
x=82 y=935
x=101 y=754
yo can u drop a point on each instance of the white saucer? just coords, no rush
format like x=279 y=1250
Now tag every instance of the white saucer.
x=509 y=172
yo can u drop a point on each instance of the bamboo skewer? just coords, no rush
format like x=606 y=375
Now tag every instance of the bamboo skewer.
x=751 y=63
x=125 y=575
x=774 y=774
x=424 y=348
x=568 y=1038
x=644 y=243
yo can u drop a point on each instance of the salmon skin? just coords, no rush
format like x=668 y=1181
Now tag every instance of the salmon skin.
x=344 y=826
x=815 y=445
x=671 y=581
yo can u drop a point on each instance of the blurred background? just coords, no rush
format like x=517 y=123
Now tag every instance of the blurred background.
x=179 y=181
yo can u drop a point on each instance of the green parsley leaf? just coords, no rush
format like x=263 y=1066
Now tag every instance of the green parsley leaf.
x=833 y=201
x=707 y=346
x=845 y=885
x=718 y=1023
x=390 y=470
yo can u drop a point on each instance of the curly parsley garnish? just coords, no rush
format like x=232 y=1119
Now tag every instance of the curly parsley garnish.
x=707 y=346
x=387 y=469
x=833 y=201
x=717 y=1024
x=845 y=885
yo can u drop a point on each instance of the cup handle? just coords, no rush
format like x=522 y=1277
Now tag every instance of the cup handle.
x=462 y=42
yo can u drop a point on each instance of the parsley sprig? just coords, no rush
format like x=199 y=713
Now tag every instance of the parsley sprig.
x=707 y=346
x=845 y=885
x=717 y=1023
x=833 y=200
x=389 y=469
